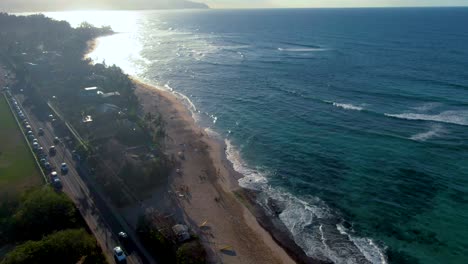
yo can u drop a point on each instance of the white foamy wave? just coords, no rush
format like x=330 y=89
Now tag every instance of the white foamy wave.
x=252 y=179
x=301 y=49
x=366 y=246
x=435 y=131
x=348 y=106
x=314 y=228
x=312 y=223
x=182 y=96
x=451 y=117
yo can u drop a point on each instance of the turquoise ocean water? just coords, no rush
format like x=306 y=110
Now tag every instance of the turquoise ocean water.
x=355 y=120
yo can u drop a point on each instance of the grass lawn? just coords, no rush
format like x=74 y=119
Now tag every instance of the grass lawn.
x=18 y=170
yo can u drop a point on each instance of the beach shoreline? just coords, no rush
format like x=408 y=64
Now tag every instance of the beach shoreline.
x=204 y=186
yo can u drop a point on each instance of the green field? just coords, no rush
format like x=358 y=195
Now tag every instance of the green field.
x=18 y=170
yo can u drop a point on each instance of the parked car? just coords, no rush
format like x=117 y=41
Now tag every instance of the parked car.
x=53 y=174
x=119 y=255
x=47 y=166
x=52 y=150
x=57 y=183
x=35 y=145
x=64 y=168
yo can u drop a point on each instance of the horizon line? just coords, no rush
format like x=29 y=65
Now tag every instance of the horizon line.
x=236 y=8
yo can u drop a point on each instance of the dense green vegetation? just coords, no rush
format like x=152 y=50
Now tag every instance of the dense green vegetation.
x=17 y=168
x=47 y=229
x=67 y=246
x=46 y=56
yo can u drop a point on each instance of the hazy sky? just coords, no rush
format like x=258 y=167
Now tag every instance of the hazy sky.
x=330 y=3
x=30 y=5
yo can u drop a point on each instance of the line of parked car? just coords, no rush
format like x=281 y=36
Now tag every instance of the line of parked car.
x=41 y=154
x=119 y=254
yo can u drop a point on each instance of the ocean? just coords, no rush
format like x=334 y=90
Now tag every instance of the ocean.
x=354 y=120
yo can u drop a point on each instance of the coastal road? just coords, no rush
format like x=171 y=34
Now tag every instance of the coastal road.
x=96 y=210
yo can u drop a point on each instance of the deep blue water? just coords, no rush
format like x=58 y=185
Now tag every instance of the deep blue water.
x=357 y=115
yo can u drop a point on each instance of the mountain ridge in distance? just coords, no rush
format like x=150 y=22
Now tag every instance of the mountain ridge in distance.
x=66 y=5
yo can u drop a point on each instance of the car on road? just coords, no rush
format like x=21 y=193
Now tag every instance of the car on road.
x=122 y=235
x=35 y=145
x=119 y=255
x=64 y=168
x=40 y=132
x=32 y=138
x=56 y=140
x=52 y=150
x=41 y=153
x=57 y=183
x=124 y=240
x=47 y=166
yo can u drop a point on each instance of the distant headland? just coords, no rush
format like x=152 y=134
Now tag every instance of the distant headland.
x=63 y=5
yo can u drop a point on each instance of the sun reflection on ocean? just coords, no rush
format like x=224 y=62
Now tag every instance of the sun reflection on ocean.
x=123 y=48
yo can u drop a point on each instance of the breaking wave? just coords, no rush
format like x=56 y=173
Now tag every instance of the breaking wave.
x=315 y=227
x=301 y=49
x=345 y=106
x=451 y=117
x=435 y=131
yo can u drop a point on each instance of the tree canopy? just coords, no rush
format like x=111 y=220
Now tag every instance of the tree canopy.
x=43 y=211
x=67 y=246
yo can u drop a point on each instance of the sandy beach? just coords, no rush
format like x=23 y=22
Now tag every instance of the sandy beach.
x=203 y=186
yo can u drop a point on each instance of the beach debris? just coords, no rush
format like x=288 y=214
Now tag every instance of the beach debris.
x=204 y=223
x=181 y=232
x=226 y=249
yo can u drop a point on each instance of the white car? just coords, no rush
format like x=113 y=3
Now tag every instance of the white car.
x=119 y=255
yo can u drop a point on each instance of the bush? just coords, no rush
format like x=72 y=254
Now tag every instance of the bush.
x=42 y=211
x=68 y=246
x=191 y=253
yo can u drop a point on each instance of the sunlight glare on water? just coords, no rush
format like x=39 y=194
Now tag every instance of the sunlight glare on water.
x=121 y=49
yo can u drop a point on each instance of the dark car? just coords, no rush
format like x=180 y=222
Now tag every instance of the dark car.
x=57 y=183
x=52 y=150
x=64 y=168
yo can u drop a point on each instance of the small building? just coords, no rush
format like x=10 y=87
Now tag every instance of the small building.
x=181 y=232
x=87 y=119
x=90 y=92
